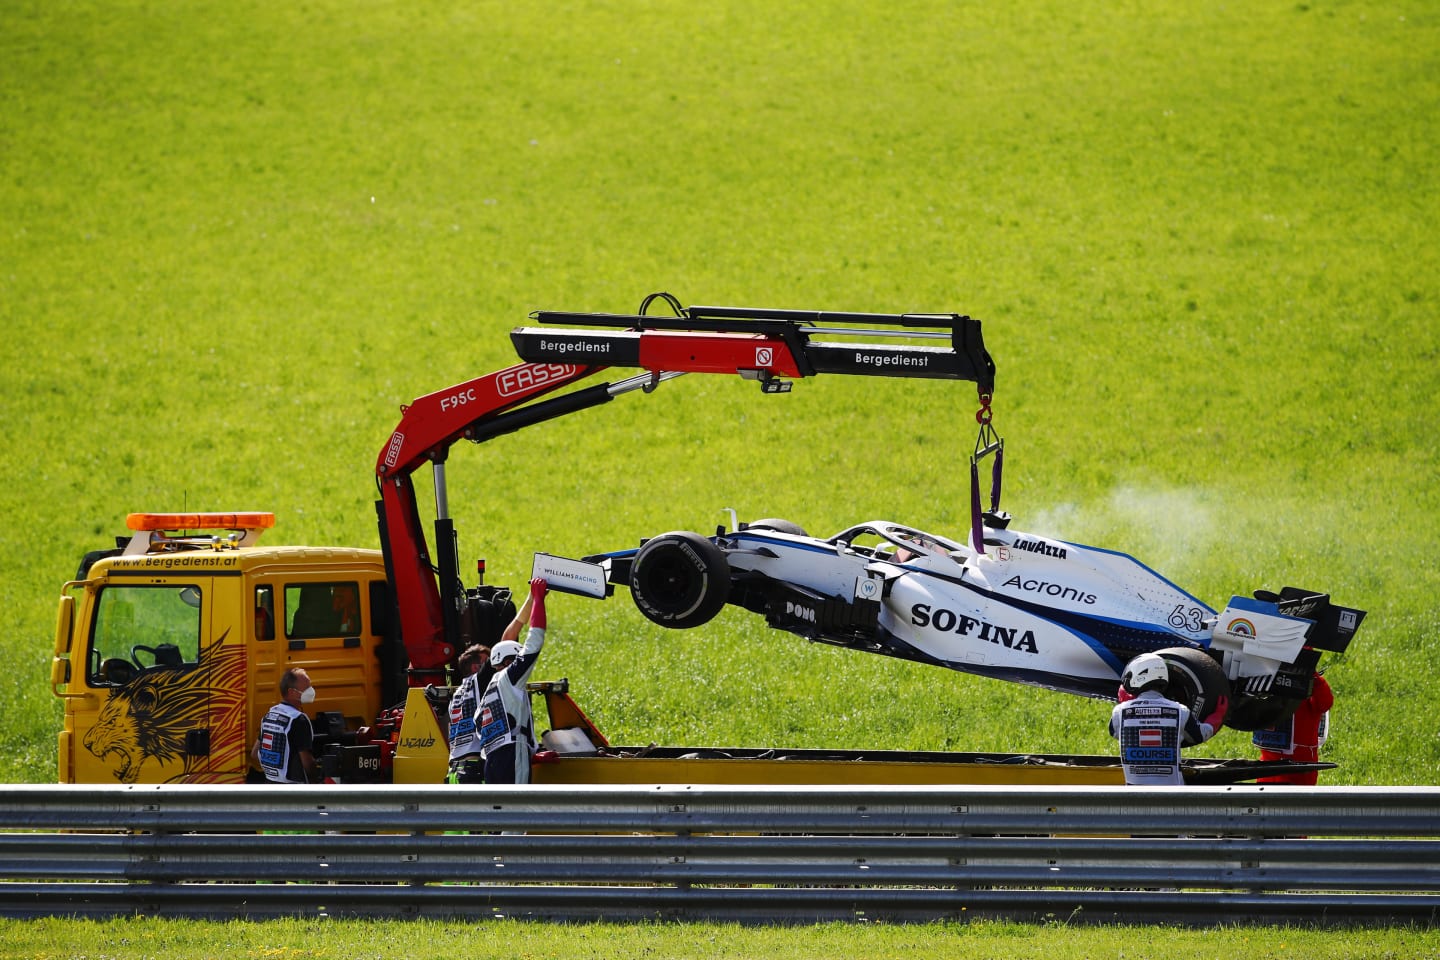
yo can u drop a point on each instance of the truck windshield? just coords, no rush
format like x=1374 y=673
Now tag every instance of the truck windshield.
x=144 y=626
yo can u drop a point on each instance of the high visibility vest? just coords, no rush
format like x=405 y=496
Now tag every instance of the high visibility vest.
x=283 y=733
x=1151 y=729
x=463 y=704
x=504 y=715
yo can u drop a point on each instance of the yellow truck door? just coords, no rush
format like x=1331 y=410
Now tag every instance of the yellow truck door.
x=156 y=679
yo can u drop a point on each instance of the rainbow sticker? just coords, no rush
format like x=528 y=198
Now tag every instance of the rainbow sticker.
x=1240 y=627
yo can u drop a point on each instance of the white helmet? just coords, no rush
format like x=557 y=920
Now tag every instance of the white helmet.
x=503 y=651
x=1146 y=672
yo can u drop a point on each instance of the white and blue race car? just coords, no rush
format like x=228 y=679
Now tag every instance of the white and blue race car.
x=1023 y=608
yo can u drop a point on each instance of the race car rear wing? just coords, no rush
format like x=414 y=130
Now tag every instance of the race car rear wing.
x=1333 y=626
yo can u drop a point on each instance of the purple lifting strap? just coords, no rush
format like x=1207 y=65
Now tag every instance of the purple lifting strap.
x=995 y=479
x=977 y=527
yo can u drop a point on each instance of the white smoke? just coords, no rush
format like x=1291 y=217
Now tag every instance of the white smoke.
x=1166 y=529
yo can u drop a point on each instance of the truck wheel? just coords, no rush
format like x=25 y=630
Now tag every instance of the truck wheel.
x=680 y=580
x=779 y=526
x=1196 y=680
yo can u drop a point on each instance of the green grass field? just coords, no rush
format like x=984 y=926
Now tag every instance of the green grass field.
x=236 y=237
x=304 y=940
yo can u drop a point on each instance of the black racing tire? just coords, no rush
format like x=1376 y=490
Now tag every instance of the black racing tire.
x=778 y=526
x=1196 y=680
x=680 y=580
x=1258 y=713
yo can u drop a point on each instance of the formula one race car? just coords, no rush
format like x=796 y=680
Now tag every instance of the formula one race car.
x=1023 y=608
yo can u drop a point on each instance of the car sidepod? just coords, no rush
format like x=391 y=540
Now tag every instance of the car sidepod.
x=811 y=588
x=964 y=627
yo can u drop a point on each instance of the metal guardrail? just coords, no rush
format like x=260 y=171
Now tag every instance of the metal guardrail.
x=1200 y=855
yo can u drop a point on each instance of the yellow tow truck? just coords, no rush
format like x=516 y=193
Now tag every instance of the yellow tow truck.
x=169 y=646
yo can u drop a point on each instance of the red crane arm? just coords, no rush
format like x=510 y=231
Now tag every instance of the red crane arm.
x=770 y=346
x=427 y=429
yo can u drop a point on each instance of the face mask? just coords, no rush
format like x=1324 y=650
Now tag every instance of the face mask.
x=307 y=695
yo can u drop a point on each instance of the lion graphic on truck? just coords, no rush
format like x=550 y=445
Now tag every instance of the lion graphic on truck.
x=151 y=719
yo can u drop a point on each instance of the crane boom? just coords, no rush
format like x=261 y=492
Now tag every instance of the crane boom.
x=771 y=346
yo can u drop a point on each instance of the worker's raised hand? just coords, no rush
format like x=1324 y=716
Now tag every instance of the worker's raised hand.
x=1217 y=716
x=538 y=588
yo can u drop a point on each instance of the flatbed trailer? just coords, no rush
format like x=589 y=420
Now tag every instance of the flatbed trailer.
x=574 y=752
x=778 y=767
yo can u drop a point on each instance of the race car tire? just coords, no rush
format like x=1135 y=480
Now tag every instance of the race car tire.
x=778 y=526
x=1258 y=713
x=680 y=580
x=1196 y=680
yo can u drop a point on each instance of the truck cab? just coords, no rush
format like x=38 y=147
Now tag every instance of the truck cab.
x=169 y=648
